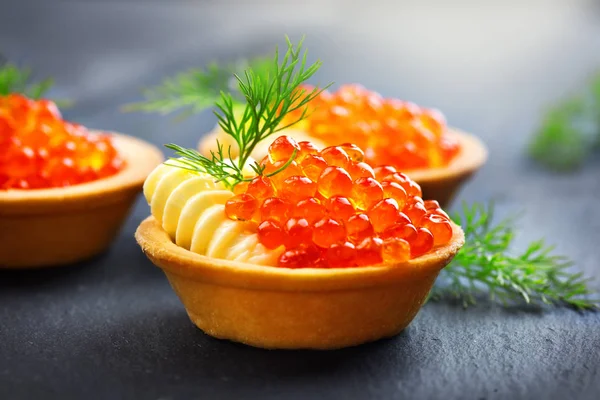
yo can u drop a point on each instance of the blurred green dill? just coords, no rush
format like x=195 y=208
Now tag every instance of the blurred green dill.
x=570 y=131
x=197 y=89
x=15 y=79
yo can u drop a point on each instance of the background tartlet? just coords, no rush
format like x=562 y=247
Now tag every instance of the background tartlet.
x=56 y=226
x=440 y=184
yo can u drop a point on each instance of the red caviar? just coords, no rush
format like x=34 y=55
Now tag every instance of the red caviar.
x=310 y=209
x=241 y=207
x=391 y=131
x=329 y=216
x=270 y=234
x=38 y=149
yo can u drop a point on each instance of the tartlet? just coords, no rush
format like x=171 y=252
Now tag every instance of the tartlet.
x=238 y=283
x=306 y=308
x=441 y=184
x=56 y=226
x=306 y=247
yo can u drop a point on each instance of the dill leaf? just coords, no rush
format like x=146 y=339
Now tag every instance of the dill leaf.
x=18 y=80
x=14 y=79
x=197 y=89
x=254 y=112
x=570 y=131
x=486 y=265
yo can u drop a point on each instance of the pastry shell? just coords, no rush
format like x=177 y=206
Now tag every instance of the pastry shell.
x=308 y=308
x=57 y=226
x=442 y=184
x=439 y=184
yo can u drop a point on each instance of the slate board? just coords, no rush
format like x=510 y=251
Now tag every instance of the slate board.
x=111 y=328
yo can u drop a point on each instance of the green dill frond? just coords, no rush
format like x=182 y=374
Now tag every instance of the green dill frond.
x=14 y=79
x=570 y=131
x=198 y=89
x=266 y=93
x=486 y=265
x=18 y=80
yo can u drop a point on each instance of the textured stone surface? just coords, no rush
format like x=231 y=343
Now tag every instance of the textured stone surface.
x=112 y=327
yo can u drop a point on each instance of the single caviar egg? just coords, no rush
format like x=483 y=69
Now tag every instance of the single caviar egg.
x=241 y=207
x=327 y=232
x=306 y=149
x=422 y=243
x=298 y=232
x=368 y=252
x=339 y=207
x=431 y=204
x=407 y=232
x=312 y=165
x=383 y=171
x=310 y=209
x=360 y=170
x=359 y=227
x=354 y=152
x=302 y=257
x=270 y=234
x=277 y=178
x=395 y=250
x=439 y=227
x=334 y=181
x=260 y=188
x=415 y=212
x=410 y=186
x=296 y=188
x=366 y=192
x=398 y=228
x=276 y=209
x=241 y=187
x=341 y=255
x=335 y=156
x=282 y=149
x=394 y=190
x=383 y=214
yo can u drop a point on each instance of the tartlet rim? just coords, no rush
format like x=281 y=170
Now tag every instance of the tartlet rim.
x=163 y=252
x=141 y=158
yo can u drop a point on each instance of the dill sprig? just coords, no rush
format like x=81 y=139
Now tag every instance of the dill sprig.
x=197 y=89
x=18 y=80
x=269 y=94
x=570 y=131
x=14 y=79
x=486 y=264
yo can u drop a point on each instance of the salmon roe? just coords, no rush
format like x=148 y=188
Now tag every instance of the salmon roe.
x=390 y=131
x=325 y=214
x=38 y=149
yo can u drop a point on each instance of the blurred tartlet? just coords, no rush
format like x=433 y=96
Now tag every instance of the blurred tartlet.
x=64 y=191
x=413 y=139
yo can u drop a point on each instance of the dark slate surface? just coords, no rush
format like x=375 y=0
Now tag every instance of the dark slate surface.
x=112 y=328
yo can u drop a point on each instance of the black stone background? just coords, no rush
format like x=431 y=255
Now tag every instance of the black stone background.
x=111 y=328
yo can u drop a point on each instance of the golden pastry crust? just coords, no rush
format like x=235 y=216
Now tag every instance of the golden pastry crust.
x=273 y=307
x=439 y=184
x=48 y=227
x=442 y=184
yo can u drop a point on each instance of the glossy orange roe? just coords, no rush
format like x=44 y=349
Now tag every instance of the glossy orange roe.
x=327 y=217
x=38 y=149
x=390 y=131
